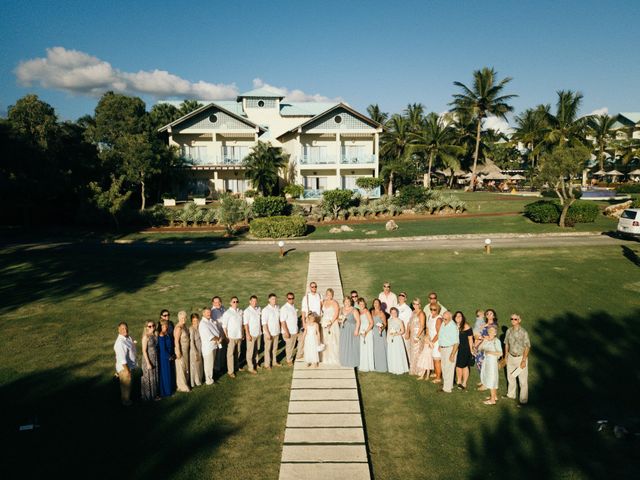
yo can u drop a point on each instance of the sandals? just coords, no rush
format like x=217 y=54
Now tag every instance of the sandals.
x=489 y=402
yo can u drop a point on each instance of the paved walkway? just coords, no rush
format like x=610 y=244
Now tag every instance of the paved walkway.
x=324 y=436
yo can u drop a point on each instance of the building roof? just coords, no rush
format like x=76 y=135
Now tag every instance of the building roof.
x=626 y=119
x=206 y=107
x=304 y=109
x=355 y=113
x=263 y=92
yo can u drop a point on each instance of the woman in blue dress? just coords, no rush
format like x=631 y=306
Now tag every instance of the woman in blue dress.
x=350 y=335
x=379 y=337
x=166 y=367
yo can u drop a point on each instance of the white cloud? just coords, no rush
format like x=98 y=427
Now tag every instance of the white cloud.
x=293 y=95
x=600 y=111
x=80 y=73
x=497 y=124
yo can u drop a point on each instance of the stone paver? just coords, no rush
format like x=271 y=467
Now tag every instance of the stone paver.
x=324 y=436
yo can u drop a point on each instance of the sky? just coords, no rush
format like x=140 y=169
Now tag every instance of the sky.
x=359 y=52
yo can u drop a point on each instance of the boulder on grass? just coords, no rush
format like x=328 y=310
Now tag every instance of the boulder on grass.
x=346 y=228
x=370 y=232
x=616 y=210
x=335 y=230
x=390 y=226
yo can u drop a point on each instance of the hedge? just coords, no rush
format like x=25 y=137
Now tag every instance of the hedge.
x=269 y=206
x=411 y=195
x=544 y=211
x=628 y=188
x=278 y=227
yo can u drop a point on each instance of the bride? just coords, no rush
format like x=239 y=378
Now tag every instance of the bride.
x=330 y=329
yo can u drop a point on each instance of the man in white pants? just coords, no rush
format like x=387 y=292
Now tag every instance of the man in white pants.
x=311 y=302
x=271 y=330
x=232 y=324
x=252 y=332
x=404 y=314
x=289 y=326
x=449 y=340
x=210 y=337
x=517 y=346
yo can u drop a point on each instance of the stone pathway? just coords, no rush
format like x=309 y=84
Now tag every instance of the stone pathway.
x=324 y=436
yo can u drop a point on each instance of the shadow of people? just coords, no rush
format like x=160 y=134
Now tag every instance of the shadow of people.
x=586 y=371
x=631 y=255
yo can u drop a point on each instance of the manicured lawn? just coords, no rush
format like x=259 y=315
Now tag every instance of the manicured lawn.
x=581 y=308
x=59 y=315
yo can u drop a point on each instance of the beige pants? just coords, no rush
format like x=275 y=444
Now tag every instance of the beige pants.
x=289 y=345
x=233 y=350
x=253 y=347
x=448 y=368
x=125 y=386
x=209 y=361
x=522 y=379
x=271 y=349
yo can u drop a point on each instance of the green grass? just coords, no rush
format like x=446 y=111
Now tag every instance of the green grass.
x=580 y=307
x=59 y=316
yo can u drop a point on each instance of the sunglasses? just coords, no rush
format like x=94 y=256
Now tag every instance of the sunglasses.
x=165 y=315
x=514 y=319
x=289 y=298
x=314 y=286
x=354 y=296
x=234 y=301
x=150 y=326
x=386 y=286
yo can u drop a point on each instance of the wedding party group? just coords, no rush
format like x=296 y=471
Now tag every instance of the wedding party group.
x=390 y=335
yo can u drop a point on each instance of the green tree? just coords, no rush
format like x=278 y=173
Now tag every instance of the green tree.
x=111 y=200
x=600 y=128
x=188 y=106
x=530 y=129
x=376 y=114
x=558 y=168
x=263 y=165
x=414 y=113
x=117 y=115
x=139 y=161
x=565 y=127
x=34 y=120
x=482 y=99
x=395 y=148
x=335 y=200
x=162 y=114
x=230 y=213
x=437 y=141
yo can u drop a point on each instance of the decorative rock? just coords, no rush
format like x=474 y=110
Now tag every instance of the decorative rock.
x=409 y=211
x=616 y=210
x=346 y=228
x=371 y=232
x=391 y=225
x=335 y=230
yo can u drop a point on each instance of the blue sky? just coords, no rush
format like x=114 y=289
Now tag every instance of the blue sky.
x=390 y=53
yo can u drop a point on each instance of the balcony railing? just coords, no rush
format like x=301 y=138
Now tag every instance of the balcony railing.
x=318 y=160
x=214 y=160
x=358 y=159
x=312 y=194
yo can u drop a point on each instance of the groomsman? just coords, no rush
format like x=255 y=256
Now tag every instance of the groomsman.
x=125 y=350
x=433 y=301
x=232 y=325
x=517 y=346
x=217 y=310
x=253 y=332
x=387 y=297
x=311 y=302
x=449 y=340
x=271 y=329
x=289 y=326
x=210 y=337
x=404 y=314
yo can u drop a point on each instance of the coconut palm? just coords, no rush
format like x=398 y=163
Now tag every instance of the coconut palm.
x=188 y=106
x=482 y=99
x=531 y=128
x=376 y=114
x=394 y=148
x=600 y=129
x=565 y=127
x=437 y=141
x=263 y=166
x=414 y=113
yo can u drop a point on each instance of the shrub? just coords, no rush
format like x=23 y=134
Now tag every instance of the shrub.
x=577 y=192
x=369 y=183
x=544 y=211
x=278 y=227
x=628 y=188
x=294 y=190
x=250 y=194
x=335 y=200
x=230 y=212
x=583 y=212
x=269 y=206
x=411 y=195
x=635 y=203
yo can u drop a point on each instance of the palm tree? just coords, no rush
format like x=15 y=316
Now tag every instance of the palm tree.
x=414 y=113
x=394 y=149
x=188 y=106
x=437 y=141
x=484 y=98
x=263 y=165
x=531 y=128
x=565 y=127
x=600 y=130
x=162 y=114
x=376 y=114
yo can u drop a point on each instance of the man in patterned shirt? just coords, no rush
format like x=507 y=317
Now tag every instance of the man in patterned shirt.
x=517 y=346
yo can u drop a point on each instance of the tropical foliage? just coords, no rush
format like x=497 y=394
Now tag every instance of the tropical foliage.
x=263 y=166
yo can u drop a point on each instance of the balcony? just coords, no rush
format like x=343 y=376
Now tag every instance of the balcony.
x=202 y=157
x=357 y=159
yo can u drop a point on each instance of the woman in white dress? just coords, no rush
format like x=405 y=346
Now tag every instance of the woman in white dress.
x=330 y=329
x=311 y=341
x=396 y=351
x=434 y=320
x=489 y=374
x=366 y=337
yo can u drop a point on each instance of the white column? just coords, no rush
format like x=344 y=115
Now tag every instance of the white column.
x=339 y=159
x=376 y=140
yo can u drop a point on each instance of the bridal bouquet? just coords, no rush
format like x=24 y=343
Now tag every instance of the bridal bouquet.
x=341 y=319
x=326 y=323
x=393 y=333
x=380 y=327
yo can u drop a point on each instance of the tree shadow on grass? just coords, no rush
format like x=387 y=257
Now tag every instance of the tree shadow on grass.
x=84 y=432
x=631 y=255
x=60 y=271
x=586 y=371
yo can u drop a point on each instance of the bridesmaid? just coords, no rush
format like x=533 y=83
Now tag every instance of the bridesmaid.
x=330 y=329
x=366 y=340
x=196 y=370
x=416 y=337
x=424 y=361
x=463 y=360
x=396 y=352
x=166 y=367
x=149 y=381
x=349 y=336
x=181 y=341
x=379 y=337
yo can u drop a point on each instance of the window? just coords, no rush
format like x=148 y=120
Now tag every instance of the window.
x=315 y=183
x=337 y=119
x=630 y=214
x=315 y=155
x=236 y=185
x=197 y=154
x=213 y=118
x=261 y=103
x=349 y=182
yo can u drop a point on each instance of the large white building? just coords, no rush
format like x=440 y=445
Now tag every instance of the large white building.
x=330 y=144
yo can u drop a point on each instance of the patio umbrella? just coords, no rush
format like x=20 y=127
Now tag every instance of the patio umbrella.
x=600 y=173
x=634 y=172
x=496 y=176
x=615 y=173
x=517 y=176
